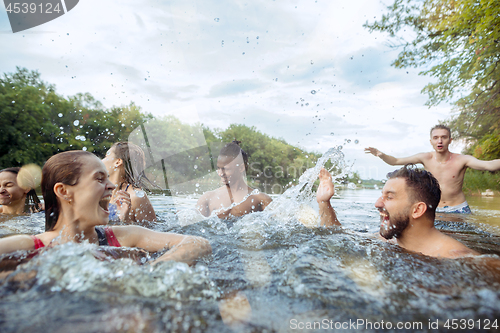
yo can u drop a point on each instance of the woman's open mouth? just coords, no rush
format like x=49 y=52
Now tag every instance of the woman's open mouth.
x=104 y=203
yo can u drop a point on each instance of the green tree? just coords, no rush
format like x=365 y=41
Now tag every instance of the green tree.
x=37 y=123
x=458 y=43
x=27 y=132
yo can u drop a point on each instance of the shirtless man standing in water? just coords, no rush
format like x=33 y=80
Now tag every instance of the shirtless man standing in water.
x=448 y=168
x=231 y=167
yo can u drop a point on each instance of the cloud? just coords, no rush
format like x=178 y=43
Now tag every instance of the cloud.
x=235 y=87
x=283 y=67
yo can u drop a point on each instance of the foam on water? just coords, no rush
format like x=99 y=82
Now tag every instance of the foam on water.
x=74 y=267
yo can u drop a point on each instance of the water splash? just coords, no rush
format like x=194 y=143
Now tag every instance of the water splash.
x=74 y=267
x=292 y=204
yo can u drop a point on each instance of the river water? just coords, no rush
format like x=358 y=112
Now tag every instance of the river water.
x=268 y=273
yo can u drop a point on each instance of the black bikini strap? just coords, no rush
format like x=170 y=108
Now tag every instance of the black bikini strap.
x=101 y=235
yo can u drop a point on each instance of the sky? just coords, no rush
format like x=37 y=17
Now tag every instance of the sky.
x=305 y=70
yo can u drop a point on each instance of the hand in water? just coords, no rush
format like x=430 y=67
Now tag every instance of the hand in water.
x=123 y=202
x=373 y=151
x=325 y=189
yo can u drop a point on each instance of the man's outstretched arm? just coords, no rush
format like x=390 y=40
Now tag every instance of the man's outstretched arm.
x=391 y=160
x=474 y=163
x=325 y=192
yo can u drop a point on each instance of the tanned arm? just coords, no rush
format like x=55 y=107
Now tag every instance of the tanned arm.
x=474 y=163
x=391 y=160
x=181 y=248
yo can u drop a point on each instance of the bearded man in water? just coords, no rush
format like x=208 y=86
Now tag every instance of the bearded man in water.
x=448 y=168
x=407 y=210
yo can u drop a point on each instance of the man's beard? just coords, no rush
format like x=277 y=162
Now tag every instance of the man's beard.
x=396 y=226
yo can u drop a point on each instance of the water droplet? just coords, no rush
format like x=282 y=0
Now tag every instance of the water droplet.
x=313 y=92
x=84 y=148
x=140 y=193
x=60 y=115
x=13 y=102
x=356 y=141
x=197 y=185
x=331 y=133
x=195 y=167
x=216 y=19
x=76 y=122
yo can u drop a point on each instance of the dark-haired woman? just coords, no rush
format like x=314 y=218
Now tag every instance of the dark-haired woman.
x=235 y=197
x=14 y=199
x=125 y=163
x=76 y=190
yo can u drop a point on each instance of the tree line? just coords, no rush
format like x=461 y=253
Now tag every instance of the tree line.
x=37 y=123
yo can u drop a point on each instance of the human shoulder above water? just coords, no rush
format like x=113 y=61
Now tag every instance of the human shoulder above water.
x=77 y=191
x=235 y=197
x=448 y=168
x=407 y=209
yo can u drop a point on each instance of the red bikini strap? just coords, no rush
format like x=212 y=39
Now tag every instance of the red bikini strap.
x=110 y=235
x=38 y=243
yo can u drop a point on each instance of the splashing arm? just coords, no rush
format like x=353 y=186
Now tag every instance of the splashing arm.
x=202 y=204
x=265 y=200
x=324 y=193
x=187 y=250
x=179 y=247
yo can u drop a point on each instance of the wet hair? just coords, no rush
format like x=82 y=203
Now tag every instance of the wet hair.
x=134 y=163
x=233 y=150
x=32 y=203
x=63 y=168
x=422 y=186
x=441 y=126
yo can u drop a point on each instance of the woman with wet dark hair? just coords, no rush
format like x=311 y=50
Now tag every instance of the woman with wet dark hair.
x=15 y=199
x=235 y=197
x=125 y=163
x=76 y=190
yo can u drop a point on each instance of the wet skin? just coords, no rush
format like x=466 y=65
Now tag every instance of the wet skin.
x=12 y=196
x=400 y=218
x=141 y=210
x=83 y=206
x=234 y=190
